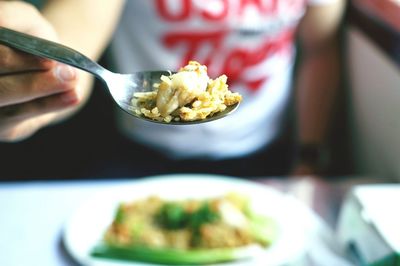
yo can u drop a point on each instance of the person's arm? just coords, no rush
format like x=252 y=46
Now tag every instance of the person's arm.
x=86 y=26
x=318 y=81
x=37 y=92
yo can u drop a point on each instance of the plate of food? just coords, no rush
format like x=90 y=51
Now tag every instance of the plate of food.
x=188 y=219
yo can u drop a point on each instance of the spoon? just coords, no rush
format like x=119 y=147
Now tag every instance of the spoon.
x=120 y=86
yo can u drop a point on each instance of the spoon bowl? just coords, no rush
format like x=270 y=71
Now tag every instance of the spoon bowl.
x=120 y=86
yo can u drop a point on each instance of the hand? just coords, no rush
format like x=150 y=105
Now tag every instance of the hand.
x=34 y=92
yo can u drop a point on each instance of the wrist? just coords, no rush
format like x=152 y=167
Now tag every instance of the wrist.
x=314 y=155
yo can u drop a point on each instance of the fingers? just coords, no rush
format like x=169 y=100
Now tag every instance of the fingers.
x=16 y=113
x=12 y=61
x=15 y=14
x=25 y=87
x=20 y=121
x=33 y=91
x=26 y=128
x=25 y=18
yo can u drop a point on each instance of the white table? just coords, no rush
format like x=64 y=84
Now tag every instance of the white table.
x=32 y=215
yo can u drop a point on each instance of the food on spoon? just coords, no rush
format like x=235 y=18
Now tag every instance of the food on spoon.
x=186 y=232
x=187 y=95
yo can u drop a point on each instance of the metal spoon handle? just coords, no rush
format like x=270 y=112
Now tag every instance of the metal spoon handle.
x=51 y=50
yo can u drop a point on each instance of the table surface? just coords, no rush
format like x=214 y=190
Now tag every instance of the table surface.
x=21 y=240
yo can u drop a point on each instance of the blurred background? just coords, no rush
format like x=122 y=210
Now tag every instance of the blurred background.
x=372 y=42
x=365 y=139
x=364 y=144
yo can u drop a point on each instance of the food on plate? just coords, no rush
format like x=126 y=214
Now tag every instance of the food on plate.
x=191 y=231
x=188 y=95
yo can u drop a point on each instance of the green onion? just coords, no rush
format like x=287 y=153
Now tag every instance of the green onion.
x=264 y=229
x=120 y=215
x=172 y=216
x=172 y=256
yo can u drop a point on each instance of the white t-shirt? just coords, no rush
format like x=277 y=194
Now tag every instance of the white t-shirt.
x=251 y=41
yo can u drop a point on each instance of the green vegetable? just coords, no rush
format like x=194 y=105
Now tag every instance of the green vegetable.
x=202 y=216
x=172 y=216
x=170 y=256
x=120 y=215
x=264 y=229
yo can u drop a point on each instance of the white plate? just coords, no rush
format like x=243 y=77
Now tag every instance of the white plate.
x=87 y=225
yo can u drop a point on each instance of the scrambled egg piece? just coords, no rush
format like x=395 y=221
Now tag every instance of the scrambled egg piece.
x=187 y=95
